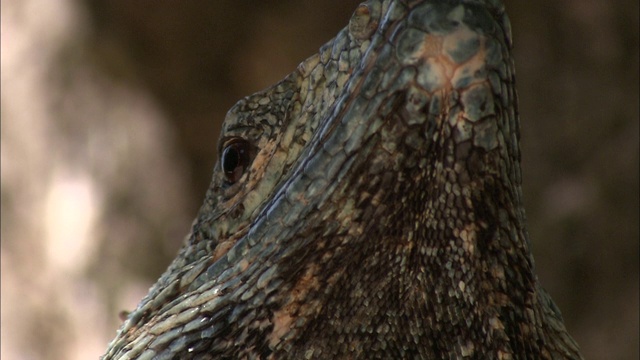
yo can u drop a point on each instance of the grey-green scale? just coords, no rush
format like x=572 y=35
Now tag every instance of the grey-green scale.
x=375 y=210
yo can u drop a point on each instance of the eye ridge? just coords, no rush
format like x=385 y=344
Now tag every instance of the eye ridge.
x=235 y=159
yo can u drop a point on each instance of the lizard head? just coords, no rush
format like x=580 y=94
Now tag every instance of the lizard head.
x=367 y=203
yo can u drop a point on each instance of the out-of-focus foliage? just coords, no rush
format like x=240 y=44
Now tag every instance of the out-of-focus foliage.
x=110 y=113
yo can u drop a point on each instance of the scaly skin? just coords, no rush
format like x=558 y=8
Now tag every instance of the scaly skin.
x=380 y=212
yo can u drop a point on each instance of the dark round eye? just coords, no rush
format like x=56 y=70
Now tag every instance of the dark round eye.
x=236 y=157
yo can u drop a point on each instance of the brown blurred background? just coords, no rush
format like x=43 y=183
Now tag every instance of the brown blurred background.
x=110 y=113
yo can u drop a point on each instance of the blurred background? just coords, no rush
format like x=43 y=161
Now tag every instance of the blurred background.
x=110 y=117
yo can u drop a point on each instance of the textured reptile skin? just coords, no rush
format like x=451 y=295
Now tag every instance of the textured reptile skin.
x=380 y=214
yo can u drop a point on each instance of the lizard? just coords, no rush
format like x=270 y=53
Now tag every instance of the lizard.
x=367 y=206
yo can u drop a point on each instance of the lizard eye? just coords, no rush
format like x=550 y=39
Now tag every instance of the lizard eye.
x=235 y=159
